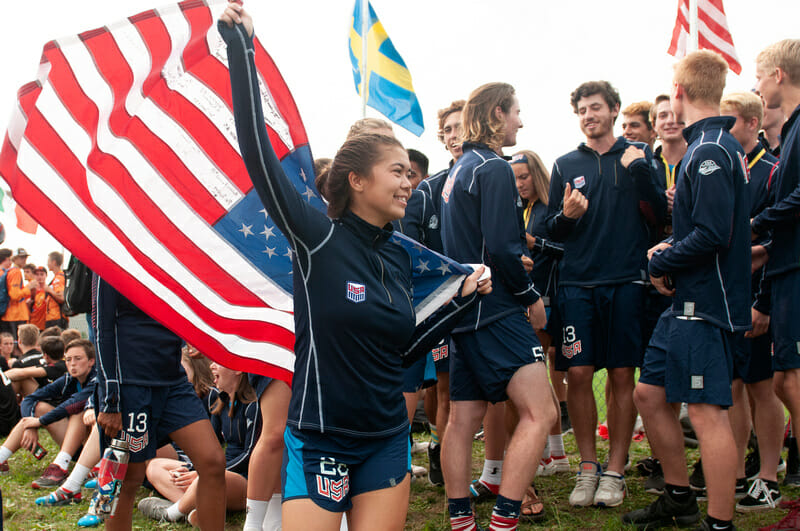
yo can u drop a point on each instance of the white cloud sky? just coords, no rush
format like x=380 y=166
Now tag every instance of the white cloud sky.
x=545 y=49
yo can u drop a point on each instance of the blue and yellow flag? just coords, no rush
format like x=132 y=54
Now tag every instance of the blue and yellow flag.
x=388 y=85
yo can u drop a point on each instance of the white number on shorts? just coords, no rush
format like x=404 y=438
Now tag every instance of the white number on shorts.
x=140 y=421
x=569 y=334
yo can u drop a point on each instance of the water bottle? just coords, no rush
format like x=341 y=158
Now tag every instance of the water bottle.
x=113 y=466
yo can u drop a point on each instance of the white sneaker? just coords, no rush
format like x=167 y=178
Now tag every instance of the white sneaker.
x=552 y=466
x=585 y=487
x=419 y=447
x=419 y=471
x=610 y=491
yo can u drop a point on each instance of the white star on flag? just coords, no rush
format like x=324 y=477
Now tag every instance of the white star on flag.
x=444 y=268
x=246 y=230
x=268 y=232
x=270 y=251
x=309 y=193
x=423 y=266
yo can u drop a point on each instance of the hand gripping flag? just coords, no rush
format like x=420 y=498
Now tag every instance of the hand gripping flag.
x=388 y=81
x=712 y=32
x=125 y=150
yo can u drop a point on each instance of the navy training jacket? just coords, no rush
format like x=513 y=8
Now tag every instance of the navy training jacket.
x=70 y=395
x=709 y=259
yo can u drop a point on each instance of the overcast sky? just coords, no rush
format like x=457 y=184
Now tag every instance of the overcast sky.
x=545 y=49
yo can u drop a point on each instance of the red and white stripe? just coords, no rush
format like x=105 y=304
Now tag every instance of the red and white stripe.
x=125 y=150
x=713 y=33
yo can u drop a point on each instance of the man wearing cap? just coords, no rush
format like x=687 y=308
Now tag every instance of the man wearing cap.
x=17 y=312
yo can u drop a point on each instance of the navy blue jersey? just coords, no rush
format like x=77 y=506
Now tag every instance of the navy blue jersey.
x=709 y=259
x=238 y=433
x=420 y=218
x=132 y=347
x=432 y=186
x=783 y=218
x=608 y=244
x=482 y=224
x=762 y=165
x=68 y=392
x=354 y=319
x=545 y=253
x=665 y=180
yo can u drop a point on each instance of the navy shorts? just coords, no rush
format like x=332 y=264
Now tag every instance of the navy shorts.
x=654 y=305
x=259 y=383
x=332 y=469
x=485 y=360
x=785 y=320
x=692 y=361
x=441 y=355
x=421 y=374
x=601 y=326
x=150 y=414
x=752 y=358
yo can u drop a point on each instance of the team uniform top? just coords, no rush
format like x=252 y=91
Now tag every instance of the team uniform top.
x=237 y=433
x=482 y=223
x=419 y=218
x=35 y=358
x=354 y=319
x=67 y=392
x=763 y=167
x=545 y=253
x=709 y=260
x=614 y=193
x=782 y=217
x=132 y=348
x=432 y=186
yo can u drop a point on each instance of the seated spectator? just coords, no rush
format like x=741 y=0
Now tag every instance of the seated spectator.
x=69 y=335
x=36 y=368
x=58 y=407
x=50 y=331
x=236 y=418
x=7 y=345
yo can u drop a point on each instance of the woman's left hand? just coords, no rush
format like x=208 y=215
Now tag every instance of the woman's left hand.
x=472 y=282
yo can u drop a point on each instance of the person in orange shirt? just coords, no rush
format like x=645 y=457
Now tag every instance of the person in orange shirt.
x=17 y=312
x=39 y=300
x=55 y=291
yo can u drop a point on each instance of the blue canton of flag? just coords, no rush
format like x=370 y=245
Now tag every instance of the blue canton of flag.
x=388 y=81
x=436 y=279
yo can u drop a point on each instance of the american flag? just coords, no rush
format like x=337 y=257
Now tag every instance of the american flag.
x=713 y=33
x=124 y=149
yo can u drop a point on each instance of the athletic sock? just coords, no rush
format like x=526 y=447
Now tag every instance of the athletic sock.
x=461 y=517
x=76 y=478
x=546 y=451
x=677 y=493
x=173 y=513
x=492 y=471
x=505 y=515
x=272 y=522
x=556 y=443
x=716 y=523
x=434 y=434
x=62 y=460
x=5 y=453
x=256 y=510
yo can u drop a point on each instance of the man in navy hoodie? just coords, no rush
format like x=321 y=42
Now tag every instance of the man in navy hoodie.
x=778 y=75
x=601 y=195
x=706 y=270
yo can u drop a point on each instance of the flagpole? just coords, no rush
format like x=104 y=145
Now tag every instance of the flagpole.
x=364 y=55
x=694 y=29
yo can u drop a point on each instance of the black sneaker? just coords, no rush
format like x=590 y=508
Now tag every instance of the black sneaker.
x=705 y=526
x=655 y=483
x=664 y=512
x=646 y=466
x=752 y=465
x=435 y=475
x=792 y=458
x=791 y=480
x=566 y=424
x=761 y=496
x=697 y=481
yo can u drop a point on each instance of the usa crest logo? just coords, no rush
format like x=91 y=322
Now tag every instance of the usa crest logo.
x=580 y=182
x=356 y=292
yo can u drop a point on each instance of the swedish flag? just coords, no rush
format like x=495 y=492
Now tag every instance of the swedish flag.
x=388 y=81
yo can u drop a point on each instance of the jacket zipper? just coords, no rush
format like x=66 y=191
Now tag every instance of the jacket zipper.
x=616 y=178
x=383 y=283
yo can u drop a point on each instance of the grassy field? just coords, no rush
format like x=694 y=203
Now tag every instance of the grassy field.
x=427 y=510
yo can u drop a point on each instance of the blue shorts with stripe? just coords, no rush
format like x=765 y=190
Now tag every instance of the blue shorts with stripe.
x=332 y=469
x=421 y=374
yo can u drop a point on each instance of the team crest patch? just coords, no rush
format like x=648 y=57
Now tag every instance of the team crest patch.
x=434 y=222
x=580 y=182
x=569 y=351
x=707 y=167
x=356 y=292
x=136 y=444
